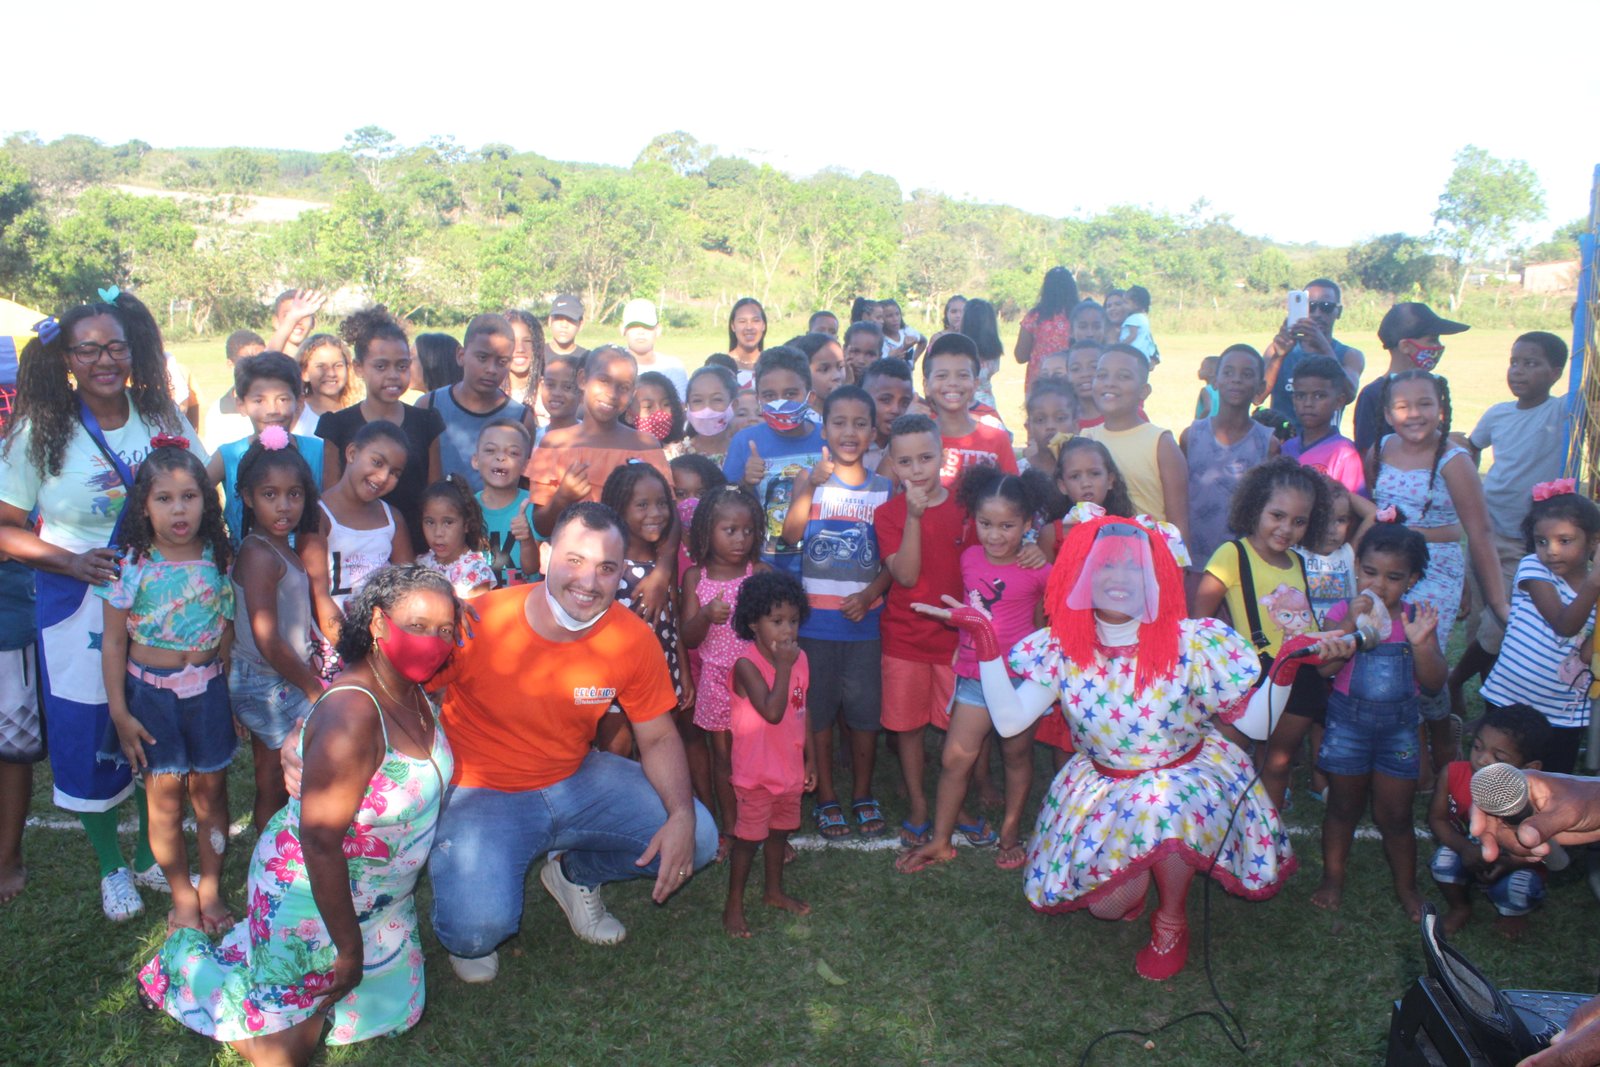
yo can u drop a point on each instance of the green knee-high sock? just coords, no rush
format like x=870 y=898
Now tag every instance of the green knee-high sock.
x=143 y=858
x=101 y=826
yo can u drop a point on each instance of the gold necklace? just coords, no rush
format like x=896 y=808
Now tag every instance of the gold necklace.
x=422 y=721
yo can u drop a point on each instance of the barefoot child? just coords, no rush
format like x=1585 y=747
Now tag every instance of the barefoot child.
x=503 y=449
x=1370 y=747
x=773 y=762
x=1511 y=734
x=1002 y=507
x=168 y=625
x=458 y=547
x=271 y=676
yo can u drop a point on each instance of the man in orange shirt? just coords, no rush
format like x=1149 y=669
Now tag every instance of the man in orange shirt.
x=522 y=702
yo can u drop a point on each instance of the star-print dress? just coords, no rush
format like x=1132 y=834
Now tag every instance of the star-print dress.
x=267 y=973
x=1151 y=775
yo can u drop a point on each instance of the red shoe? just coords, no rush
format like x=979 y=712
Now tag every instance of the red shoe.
x=1135 y=909
x=1166 y=953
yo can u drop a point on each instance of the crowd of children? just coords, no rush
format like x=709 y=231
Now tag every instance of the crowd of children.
x=803 y=522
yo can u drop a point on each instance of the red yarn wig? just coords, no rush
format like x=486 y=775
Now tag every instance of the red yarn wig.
x=1073 y=628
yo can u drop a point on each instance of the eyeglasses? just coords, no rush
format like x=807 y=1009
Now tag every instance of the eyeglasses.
x=89 y=353
x=1326 y=306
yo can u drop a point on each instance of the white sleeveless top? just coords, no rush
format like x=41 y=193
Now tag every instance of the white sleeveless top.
x=354 y=554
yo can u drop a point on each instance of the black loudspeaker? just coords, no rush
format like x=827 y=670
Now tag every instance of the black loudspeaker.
x=1455 y=1017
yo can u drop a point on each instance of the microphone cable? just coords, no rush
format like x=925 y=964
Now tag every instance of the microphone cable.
x=1222 y=1016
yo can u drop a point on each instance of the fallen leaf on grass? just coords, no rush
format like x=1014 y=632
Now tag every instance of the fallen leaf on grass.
x=826 y=974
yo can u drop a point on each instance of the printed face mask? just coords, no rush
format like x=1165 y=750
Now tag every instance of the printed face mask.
x=708 y=422
x=657 y=424
x=784 y=415
x=1426 y=357
x=417 y=657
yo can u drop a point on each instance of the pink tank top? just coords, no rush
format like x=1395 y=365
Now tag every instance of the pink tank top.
x=769 y=755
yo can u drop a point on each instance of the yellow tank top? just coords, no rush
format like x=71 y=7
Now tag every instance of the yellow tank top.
x=1135 y=454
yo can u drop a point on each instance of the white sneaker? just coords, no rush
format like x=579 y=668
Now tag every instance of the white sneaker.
x=586 y=912
x=155 y=879
x=477 y=971
x=118 y=898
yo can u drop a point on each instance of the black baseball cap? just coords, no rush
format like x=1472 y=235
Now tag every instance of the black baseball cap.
x=1410 y=321
x=567 y=306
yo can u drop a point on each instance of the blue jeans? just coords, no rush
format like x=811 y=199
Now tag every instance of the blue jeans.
x=601 y=817
x=1515 y=893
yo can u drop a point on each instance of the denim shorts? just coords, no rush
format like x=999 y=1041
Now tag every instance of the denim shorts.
x=1363 y=736
x=194 y=735
x=970 y=691
x=266 y=704
x=1515 y=893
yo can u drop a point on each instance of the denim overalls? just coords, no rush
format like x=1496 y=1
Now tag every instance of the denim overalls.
x=1374 y=726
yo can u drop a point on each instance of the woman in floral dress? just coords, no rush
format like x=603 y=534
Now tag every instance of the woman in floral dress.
x=331 y=933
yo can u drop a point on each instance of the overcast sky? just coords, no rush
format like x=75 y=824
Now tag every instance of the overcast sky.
x=1312 y=123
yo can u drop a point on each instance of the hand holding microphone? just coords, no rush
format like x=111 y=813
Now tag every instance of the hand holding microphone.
x=1523 y=814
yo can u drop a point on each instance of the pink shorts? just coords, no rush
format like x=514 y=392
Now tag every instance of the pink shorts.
x=761 y=811
x=916 y=694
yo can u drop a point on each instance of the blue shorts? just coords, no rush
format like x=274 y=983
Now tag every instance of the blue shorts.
x=1515 y=893
x=266 y=704
x=970 y=691
x=194 y=735
x=1363 y=736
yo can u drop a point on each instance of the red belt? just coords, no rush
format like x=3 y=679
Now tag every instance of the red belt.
x=1123 y=772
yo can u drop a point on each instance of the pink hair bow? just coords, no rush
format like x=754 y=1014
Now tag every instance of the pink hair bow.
x=1387 y=514
x=1559 y=487
x=274 y=438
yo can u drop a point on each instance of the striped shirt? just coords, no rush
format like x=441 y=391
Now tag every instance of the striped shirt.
x=1534 y=660
x=841 y=556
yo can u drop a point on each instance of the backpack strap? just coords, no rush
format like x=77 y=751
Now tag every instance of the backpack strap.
x=1252 y=610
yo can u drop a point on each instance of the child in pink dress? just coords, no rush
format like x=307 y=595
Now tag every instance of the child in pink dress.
x=725 y=536
x=772 y=751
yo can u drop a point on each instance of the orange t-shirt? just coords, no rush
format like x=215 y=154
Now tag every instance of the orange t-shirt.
x=521 y=711
x=547 y=465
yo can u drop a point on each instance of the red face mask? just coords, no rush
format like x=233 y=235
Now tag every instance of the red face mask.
x=657 y=423
x=416 y=656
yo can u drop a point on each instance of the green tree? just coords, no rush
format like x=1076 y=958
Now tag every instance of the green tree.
x=239 y=169
x=369 y=148
x=365 y=238
x=1269 y=271
x=1484 y=201
x=110 y=238
x=677 y=150
x=1395 y=263
x=1562 y=244
x=847 y=233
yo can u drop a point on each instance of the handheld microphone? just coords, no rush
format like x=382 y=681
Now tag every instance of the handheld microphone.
x=1501 y=790
x=1366 y=636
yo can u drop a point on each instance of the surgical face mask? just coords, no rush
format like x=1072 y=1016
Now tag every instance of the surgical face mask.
x=563 y=619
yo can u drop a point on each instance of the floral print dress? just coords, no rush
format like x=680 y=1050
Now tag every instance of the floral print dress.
x=1151 y=775
x=267 y=973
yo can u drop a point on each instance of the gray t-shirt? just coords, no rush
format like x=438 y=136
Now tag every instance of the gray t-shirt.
x=1527 y=451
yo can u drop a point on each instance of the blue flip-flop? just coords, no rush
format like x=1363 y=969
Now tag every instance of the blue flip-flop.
x=914 y=834
x=978 y=834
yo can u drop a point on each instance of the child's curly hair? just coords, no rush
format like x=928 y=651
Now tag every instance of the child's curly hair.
x=1259 y=483
x=705 y=520
x=454 y=491
x=136 y=529
x=1566 y=507
x=1028 y=492
x=1393 y=539
x=760 y=593
x=375 y=323
x=1529 y=730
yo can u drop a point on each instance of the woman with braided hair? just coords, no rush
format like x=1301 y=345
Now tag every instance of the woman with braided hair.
x=92 y=394
x=1154 y=791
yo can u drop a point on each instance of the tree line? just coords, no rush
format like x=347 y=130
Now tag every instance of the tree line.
x=438 y=231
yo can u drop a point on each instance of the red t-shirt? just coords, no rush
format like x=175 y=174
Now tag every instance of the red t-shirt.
x=983 y=445
x=521 y=711
x=908 y=634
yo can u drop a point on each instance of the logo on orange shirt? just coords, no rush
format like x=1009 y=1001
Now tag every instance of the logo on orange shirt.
x=593 y=694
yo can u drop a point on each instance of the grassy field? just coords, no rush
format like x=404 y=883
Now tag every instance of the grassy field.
x=947 y=967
